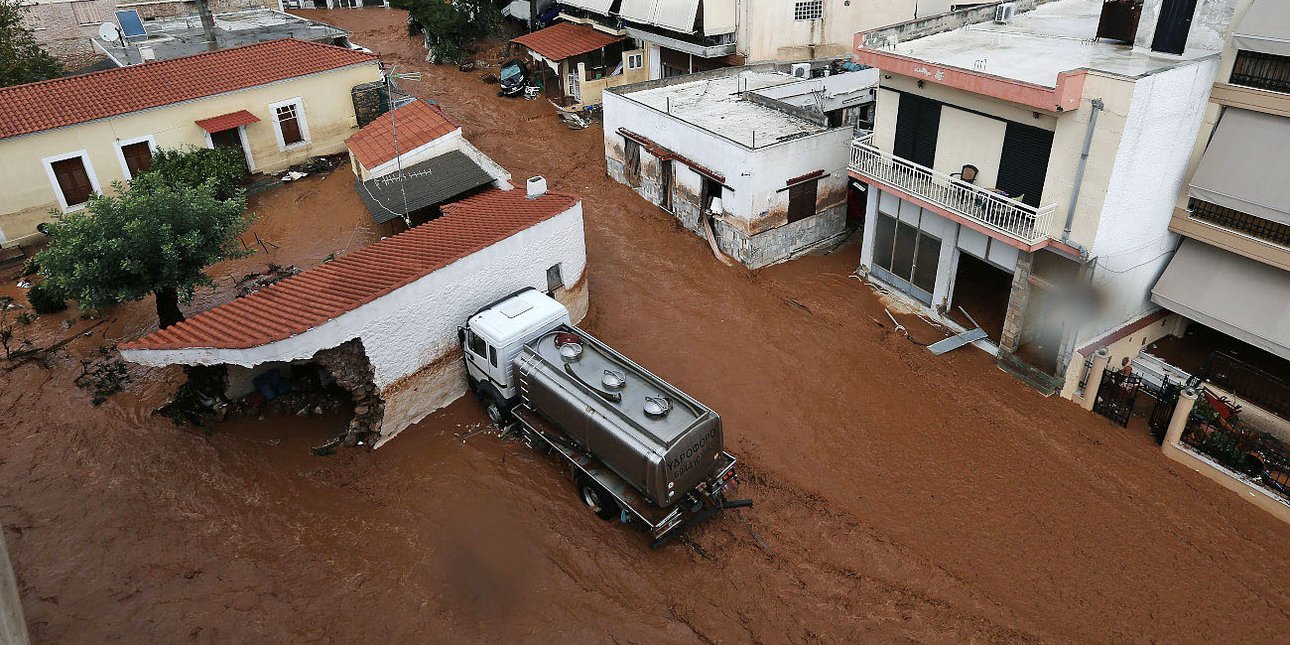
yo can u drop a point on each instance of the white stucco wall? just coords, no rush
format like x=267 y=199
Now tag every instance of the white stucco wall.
x=752 y=198
x=1133 y=243
x=415 y=327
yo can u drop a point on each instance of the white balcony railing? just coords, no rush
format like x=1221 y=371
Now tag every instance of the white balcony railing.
x=983 y=206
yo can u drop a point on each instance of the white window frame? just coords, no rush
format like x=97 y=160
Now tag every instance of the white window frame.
x=246 y=147
x=807 y=7
x=120 y=153
x=635 y=61
x=300 y=119
x=53 y=179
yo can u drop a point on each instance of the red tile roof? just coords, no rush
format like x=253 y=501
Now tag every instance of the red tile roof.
x=228 y=121
x=304 y=301
x=418 y=123
x=75 y=99
x=565 y=40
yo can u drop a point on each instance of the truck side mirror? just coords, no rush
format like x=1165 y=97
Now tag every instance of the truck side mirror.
x=461 y=335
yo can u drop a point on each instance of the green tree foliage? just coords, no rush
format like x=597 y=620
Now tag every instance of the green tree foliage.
x=154 y=237
x=453 y=23
x=192 y=166
x=21 y=59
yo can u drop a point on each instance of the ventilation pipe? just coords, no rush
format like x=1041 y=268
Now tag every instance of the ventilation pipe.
x=536 y=187
x=1079 y=176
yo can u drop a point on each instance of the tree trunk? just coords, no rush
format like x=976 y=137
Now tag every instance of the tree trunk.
x=168 y=307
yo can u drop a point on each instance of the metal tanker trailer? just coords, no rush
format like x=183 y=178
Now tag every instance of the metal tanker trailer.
x=640 y=449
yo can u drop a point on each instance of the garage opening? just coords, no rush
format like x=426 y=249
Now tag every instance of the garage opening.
x=983 y=290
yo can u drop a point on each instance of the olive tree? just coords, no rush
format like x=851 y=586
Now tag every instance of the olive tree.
x=151 y=237
x=21 y=58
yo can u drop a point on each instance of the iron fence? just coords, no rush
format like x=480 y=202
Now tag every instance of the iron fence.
x=1248 y=382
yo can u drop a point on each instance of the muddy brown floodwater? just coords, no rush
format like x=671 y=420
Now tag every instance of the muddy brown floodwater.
x=899 y=496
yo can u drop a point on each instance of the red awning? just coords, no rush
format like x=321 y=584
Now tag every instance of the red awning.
x=228 y=121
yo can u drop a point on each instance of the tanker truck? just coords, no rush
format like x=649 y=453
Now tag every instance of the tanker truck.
x=639 y=450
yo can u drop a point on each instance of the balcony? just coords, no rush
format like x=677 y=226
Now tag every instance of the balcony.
x=1022 y=225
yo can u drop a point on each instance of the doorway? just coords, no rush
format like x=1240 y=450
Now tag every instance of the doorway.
x=906 y=257
x=230 y=138
x=665 y=184
x=983 y=290
x=1173 y=26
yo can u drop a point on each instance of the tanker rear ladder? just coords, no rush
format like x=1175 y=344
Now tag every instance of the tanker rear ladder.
x=664 y=524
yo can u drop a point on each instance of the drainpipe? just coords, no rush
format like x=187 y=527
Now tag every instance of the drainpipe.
x=747 y=30
x=1079 y=175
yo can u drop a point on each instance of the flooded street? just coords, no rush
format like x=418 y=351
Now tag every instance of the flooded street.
x=899 y=496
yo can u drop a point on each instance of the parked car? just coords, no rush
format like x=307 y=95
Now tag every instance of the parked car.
x=513 y=77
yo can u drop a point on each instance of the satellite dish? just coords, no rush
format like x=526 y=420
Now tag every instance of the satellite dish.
x=108 y=32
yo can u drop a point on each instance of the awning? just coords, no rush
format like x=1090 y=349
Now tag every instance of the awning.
x=1240 y=297
x=599 y=6
x=565 y=40
x=1265 y=28
x=719 y=17
x=1244 y=167
x=428 y=183
x=228 y=121
x=676 y=15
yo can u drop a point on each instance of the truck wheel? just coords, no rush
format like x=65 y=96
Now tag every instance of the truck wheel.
x=495 y=413
x=597 y=499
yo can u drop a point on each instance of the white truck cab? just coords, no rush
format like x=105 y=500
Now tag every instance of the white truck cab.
x=493 y=337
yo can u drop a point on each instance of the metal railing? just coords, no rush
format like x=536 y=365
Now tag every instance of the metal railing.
x=986 y=207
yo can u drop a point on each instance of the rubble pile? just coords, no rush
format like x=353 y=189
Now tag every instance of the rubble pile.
x=348 y=364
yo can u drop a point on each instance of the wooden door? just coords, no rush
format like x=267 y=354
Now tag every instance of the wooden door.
x=1173 y=26
x=73 y=180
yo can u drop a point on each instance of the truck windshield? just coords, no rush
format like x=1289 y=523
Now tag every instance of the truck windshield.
x=511 y=72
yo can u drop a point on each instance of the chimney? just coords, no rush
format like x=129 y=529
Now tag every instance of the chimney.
x=536 y=187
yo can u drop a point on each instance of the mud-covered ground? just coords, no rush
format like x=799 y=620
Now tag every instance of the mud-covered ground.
x=900 y=496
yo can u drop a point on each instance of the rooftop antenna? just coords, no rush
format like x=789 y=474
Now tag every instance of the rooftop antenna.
x=398 y=159
x=110 y=33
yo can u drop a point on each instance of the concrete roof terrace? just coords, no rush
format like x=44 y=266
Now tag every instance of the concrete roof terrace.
x=182 y=36
x=1038 y=45
x=715 y=103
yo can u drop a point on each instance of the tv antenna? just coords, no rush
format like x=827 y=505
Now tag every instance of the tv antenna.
x=112 y=34
x=398 y=159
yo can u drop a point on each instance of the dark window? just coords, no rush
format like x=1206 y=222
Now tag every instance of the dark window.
x=1173 y=26
x=289 y=123
x=909 y=257
x=492 y=355
x=1262 y=71
x=478 y=346
x=918 y=122
x=665 y=184
x=711 y=191
x=554 y=278
x=73 y=180
x=884 y=238
x=138 y=157
x=1235 y=220
x=801 y=200
x=1023 y=164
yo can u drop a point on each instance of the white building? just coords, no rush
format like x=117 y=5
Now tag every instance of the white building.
x=400 y=299
x=759 y=154
x=1026 y=169
x=685 y=36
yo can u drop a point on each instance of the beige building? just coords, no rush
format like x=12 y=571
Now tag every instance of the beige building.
x=279 y=102
x=1229 y=282
x=1024 y=165
x=685 y=36
x=576 y=62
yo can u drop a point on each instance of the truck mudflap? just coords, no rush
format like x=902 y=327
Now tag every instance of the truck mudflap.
x=663 y=524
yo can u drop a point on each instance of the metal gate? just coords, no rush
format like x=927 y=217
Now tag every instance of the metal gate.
x=1166 y=398
x=1115 y=396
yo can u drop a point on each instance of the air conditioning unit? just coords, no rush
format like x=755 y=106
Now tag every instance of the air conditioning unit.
x=1004 y=13
x=802 y=70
